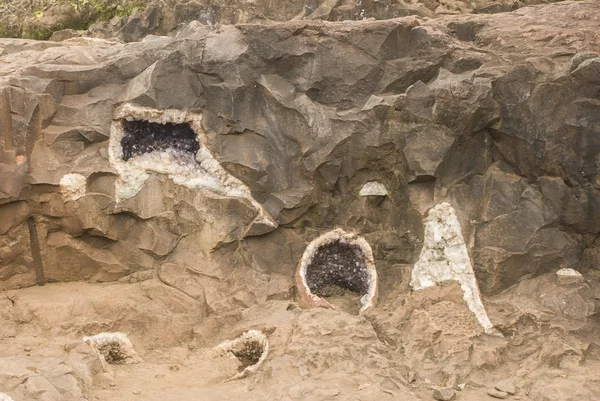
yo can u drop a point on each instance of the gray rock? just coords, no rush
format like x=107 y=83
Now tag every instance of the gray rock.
x=444 y=393
x=497 y=393
x=506 y=386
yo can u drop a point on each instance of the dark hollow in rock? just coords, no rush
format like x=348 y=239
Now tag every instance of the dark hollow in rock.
x=113 y=354
x=144 y=137
x=336 y=267
x=248 y=353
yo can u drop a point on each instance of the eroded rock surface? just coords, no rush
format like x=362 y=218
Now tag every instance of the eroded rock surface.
x=304 y=127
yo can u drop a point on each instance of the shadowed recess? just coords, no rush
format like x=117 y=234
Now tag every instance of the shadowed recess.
x=144 y=137
x=248 y=353
x=335 y=267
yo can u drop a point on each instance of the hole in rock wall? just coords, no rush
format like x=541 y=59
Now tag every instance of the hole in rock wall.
x=338 y=269
x=144 y=137
x=145 y=141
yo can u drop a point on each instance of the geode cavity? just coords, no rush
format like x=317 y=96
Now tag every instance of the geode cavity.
x=144 y=137
x=334 y=263
x=337 y=264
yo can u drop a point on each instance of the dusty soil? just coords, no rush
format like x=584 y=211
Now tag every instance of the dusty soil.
x=404 y=348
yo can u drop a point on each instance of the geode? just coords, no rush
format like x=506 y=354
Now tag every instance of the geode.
x=336 y=261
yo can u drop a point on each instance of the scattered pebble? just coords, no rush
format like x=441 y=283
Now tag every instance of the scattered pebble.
x=506 y=386
x=568 y=276
x=444 y=393
x=137 y=392
x=497 y=394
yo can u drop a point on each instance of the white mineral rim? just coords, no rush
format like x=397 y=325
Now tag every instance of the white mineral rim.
x=102 y=340
x=444 y=257
x=73 y=186
x=205 y=172
x=368 y=299
x=567 y=271
x=373 y=188
x=228 y=347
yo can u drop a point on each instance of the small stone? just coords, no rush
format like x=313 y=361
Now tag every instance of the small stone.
x=506 y=386
x=137 y=392
x=444 y=393
x=568 y=276
x=373 y=188
x=497 y=394
x=27 y=349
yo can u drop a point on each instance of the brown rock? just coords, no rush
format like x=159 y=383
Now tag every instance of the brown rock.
x=13 y=214
x=444 y=393
x=497 y=394
x=506 y=386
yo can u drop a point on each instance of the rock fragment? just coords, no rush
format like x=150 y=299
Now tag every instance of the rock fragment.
x=444 y=393
x=497 y=394
x=506 y=386
x=568 y=276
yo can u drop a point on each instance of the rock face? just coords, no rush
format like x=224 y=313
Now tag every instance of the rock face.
x=303 y=115
x=264 y=138
x=162 y=17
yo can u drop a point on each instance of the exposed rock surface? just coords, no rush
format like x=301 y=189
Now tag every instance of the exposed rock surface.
x=167 y=16
x=497 y=115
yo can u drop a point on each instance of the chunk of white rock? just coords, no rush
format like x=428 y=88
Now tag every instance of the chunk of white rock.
x=73 y=186
x=4 y=397
x=113 y=348
x=444 y=257
x=568 y=276
x=373 y=188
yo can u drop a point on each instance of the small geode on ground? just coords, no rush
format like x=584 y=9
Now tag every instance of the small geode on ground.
x=113 y=348
x=334 y=262
x=250 y=349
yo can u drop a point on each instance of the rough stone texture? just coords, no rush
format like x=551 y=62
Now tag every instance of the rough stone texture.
x=506 y=386
x=444 y=394
x=498 y=115
x=305 y=114
x=497 y=394
x=162 y=17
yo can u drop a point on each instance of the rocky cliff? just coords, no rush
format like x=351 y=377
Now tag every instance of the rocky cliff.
x=198 y=167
